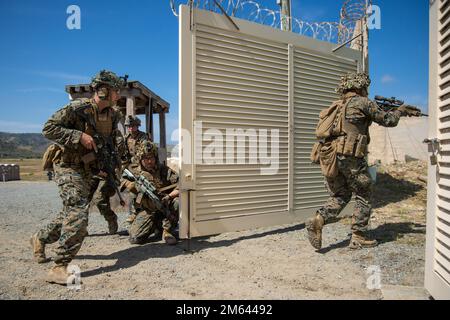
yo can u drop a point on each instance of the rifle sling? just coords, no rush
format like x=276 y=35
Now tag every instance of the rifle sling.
x=168 y=187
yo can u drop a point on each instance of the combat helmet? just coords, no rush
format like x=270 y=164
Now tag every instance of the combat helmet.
x=132 y=121
x=353 y=81
x=109 y=79
x=146 y=148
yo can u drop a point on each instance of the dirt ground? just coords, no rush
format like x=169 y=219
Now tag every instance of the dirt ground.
x=268 y=263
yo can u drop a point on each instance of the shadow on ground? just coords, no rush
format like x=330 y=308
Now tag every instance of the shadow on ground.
x=132 y=256
x=393 y=231
x=389 y=189
x=385 y=233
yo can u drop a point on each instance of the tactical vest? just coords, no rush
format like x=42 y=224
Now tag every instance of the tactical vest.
x=103 y=122
x=353 y=138
x=342 y=130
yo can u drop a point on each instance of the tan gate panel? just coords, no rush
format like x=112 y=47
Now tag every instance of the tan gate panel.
x=315 y=76
x=256 y=78
x=242 y=83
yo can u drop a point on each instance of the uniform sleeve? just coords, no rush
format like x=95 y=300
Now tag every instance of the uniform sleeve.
x=121 y=146
x=383 y=118
x=119 y=139
x=173 y=177
x=59 y=128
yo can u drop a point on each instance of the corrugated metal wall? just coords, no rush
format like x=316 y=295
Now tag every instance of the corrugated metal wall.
x=242 y=83
x=316 y=77
x=255 y=78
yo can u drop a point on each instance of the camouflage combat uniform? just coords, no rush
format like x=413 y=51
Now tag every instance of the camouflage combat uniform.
x=76 y=181
x=104 y=192
x=133 y=142
x=353 y=176
x=343 y=133
x=148 y=218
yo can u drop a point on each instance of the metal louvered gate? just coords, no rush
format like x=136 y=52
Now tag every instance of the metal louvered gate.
x=437 y=266
x=267 y=86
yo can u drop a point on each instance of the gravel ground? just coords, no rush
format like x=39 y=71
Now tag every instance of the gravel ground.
x=267 y=263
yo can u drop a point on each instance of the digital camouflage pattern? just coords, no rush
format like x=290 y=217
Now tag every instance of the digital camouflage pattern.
x=77 y=183
x=352 y=172
x=353 y=178
x=132 y=121
x=107 y=78
x=147 y=221
x=353 y=81
x=148 y=218
x=66 y=126
x=361 y=112
x=76 y=188
x=101 y=199
x=133 y=142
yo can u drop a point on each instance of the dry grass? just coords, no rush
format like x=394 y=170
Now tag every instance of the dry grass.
x=30 y=169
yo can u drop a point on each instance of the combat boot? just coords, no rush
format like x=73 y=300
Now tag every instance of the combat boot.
x=169 y=238
x=314 y=227
x=112 y=225
x=58 y=274
x=38 y=249
x=359 y=241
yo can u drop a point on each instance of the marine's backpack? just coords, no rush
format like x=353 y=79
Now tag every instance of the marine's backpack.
x=51 y=155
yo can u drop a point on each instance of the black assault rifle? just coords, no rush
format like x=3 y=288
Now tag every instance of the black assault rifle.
x=105 y=153
x=390 y=104
x=147 y=188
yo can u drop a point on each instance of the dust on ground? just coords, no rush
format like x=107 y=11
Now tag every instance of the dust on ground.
x=267 y=263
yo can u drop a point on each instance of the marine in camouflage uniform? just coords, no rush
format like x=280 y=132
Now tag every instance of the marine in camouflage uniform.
x=352 y=170
x=133 y=140
x=102 y=197
x=165 y=181
x=76 y=176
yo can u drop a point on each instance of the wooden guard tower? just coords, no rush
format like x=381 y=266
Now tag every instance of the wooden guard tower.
x=136 y=99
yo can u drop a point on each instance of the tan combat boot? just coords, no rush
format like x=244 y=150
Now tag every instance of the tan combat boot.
x=38 y=249
x=58 y=274
x=169 y=238
x=359 y=241
x=314 y=227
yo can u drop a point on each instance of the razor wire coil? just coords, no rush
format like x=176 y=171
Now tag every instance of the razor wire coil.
x=337 y=32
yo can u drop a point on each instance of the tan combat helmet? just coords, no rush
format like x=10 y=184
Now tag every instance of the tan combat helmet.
x=105 y=80
x=146 y=148
x=109 y=79
x=353 y=81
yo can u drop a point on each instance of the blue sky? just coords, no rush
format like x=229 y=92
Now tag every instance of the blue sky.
x=39 y=55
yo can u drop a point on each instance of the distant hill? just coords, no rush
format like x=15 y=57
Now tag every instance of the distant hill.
x=33 y=145
x=22 y=145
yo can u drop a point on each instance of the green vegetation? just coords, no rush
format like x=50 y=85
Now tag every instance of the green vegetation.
x=22 y=145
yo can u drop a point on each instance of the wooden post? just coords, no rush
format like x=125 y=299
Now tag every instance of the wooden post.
x=162 y=129
x=131 y=101
x=149 y=118
x=162 y=137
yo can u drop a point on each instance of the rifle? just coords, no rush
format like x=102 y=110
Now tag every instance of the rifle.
x=390 y=104
x=105 y=154
x=146 y=187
